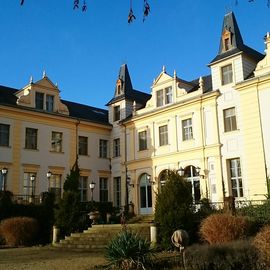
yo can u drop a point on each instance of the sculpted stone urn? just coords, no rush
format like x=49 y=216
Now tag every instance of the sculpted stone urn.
x=94 y=216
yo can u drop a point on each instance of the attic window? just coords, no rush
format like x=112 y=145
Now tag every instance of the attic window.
x=119 y=86
x=227 y=40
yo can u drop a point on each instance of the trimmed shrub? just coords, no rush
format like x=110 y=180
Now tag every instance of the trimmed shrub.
x=239 y=255
x=223 y=228
x=5 y=204
x=128 y=251
x=259 y=215
x=173 y=209
x=19 y=231
x=262 y=243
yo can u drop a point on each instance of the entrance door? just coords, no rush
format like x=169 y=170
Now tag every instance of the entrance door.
x=145 y=196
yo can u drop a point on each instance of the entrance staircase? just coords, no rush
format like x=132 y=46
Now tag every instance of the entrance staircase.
x=97 y=237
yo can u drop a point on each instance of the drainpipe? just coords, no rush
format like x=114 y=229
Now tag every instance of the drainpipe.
x=263 y=148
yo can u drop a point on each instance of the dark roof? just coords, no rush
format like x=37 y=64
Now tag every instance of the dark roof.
x=76 y=110
x=207 y=82
x=134 y=95
x=86 y=112
x=127 y=90
x=237 y=45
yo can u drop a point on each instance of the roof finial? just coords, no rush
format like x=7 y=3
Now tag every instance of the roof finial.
x=163 y=69
x=134 y=108
x=56 y=84
x=44 y=74
x=31 y=79
x=201 y=83
x=174 y=74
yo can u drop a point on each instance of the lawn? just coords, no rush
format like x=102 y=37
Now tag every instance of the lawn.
x=48 y=258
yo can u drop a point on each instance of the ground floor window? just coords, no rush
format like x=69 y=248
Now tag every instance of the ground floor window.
x=83 y=180
x=236 y=177
x=103 y=189
x=192 y=177
x=55 y=185
x=117 y=191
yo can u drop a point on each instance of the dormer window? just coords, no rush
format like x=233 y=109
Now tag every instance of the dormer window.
x=119 y=87
x=164 y=96
x=39 y=100
x=49 y=103
x=226 y=40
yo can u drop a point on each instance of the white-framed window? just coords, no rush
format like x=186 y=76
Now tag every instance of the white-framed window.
x=229 y=119
x=103 y=189
x=117 y=191
x=83 y=146
x=103 y=148
x=31 y=138
x=191 y=176
x=236 y=177
x=226 y=74
x=163 y=135
x=28 y=184
x=4 y=134
x=116 y=113
x=164 y=96
x=116 y=147
x=39 y=99
x=187 y=131
x=83 y=184
x=49 y=103
x=168 y=95
x=142 y=140
x=55 y=185
x=56 y=143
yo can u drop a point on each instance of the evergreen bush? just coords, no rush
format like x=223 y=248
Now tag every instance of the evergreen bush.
x=173 y=208
x=239 y=255
x=128 y=251
x=19 y=231
x=223 y=228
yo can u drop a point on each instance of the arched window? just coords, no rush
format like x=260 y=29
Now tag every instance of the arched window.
x=192 y=177
x=145 y=195
x=163 y=176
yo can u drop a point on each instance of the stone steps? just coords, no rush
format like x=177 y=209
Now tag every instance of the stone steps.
x=97 y=237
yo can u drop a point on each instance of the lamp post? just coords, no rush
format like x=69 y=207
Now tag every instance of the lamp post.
x=33 y=178
x=4 y=172
x=48 y=174
x=92 y=186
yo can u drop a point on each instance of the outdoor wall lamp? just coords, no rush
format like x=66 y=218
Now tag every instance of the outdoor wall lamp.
x=92 y=186
x=4 y=172
x=181 y=171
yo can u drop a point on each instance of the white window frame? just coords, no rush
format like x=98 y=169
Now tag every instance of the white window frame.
x=142 y=140
x=103 y=148
x=116 y=147
x=187 y=129
x=226 y=74
x=230 y=121
x=236 y=178
x=103 y=189
x=56 y=142
x=83 y=188
x=163 y=135
x=49 y=103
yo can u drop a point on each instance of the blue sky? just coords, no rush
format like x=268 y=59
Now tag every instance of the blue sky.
x=83 y=52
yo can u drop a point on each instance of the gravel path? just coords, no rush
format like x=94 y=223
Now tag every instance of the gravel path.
x=48 y=258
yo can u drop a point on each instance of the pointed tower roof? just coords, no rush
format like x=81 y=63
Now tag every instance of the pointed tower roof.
x=124 y=89
x=231 y=41
x=125 y=78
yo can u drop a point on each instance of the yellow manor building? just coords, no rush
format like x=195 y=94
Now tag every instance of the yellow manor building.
x=214 y=130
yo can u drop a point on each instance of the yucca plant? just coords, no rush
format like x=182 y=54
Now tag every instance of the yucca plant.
x=128 y=251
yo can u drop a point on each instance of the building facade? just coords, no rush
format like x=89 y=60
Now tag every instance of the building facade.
x=213 y=130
